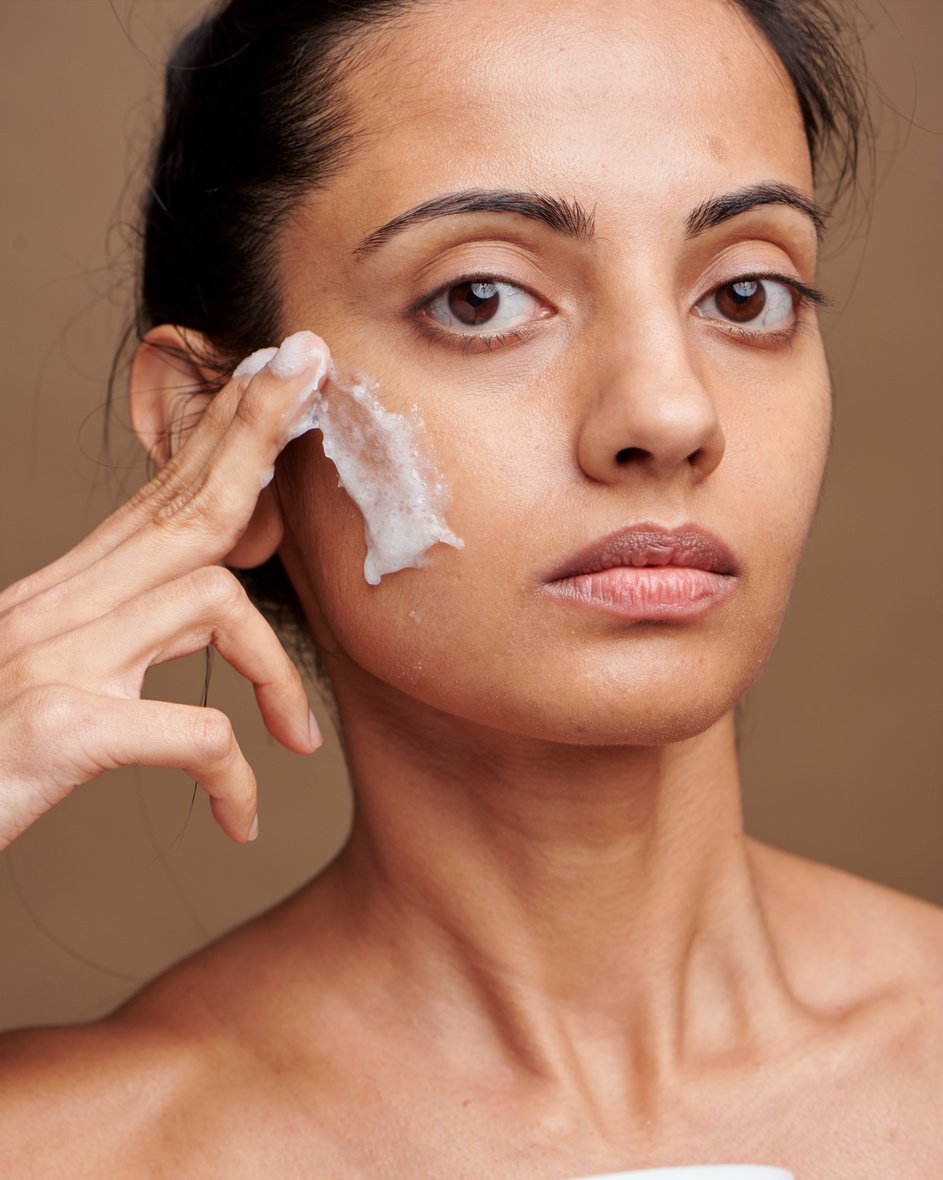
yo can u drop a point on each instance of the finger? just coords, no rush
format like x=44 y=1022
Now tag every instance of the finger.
x=112 y=654
x=121 y=523
x=81 y=735
x=202 y=521
x=227 y=619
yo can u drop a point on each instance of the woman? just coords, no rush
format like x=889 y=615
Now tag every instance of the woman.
x=563 y=259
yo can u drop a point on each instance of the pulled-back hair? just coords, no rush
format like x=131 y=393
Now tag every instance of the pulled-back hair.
x=255 y=116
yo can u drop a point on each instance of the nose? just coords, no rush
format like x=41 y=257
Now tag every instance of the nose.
x=649 y=412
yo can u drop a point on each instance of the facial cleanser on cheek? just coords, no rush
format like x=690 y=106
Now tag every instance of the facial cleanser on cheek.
x=381 y=466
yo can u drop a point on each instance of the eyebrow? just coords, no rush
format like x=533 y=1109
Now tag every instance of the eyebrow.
x=572 y=220
x=566 y=217
x=717 y=210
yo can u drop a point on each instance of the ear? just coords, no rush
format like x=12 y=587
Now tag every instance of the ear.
x=167 y=397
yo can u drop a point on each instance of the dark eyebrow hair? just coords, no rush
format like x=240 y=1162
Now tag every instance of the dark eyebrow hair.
x=716 y=210
x=566 y=217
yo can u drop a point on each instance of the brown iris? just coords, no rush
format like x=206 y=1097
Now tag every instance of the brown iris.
x=474 y=302
x=741 y=301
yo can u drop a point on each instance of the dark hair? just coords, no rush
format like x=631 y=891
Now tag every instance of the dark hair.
x=255 y=116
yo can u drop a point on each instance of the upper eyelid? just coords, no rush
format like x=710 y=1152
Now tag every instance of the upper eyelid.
x=475 y=277
x=807 y=294
x=756 y=337
x=803 y=289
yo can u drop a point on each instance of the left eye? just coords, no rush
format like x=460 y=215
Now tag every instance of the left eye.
x=484 y=304
x=755 y=303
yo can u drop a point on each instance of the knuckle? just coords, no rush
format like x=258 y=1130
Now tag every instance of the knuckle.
x=213 y=735
x=36 y=664
x=18 y=626
x=250 y=411
x=155 y=489
x=204 y=505
x=20 y=672
x=49 y=711
x=166 y=494
x=217 y=588
x=19 y=592
x=179 y=506
x=8 y=631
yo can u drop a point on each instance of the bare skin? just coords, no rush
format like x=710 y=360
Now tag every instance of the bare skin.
x=548 y=949
x=279 y=1050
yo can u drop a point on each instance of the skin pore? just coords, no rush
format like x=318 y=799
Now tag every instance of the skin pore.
x=548 y=949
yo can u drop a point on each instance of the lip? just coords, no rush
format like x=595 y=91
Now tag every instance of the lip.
x=648 y=572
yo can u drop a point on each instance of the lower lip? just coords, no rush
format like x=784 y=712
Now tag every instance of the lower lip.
x=647 y=593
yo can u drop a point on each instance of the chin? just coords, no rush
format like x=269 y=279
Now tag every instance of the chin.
x=647 y=686
x=652 y=721
x=653 y=695
x=592 y=710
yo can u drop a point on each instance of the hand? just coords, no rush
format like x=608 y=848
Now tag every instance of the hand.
x=77 y=637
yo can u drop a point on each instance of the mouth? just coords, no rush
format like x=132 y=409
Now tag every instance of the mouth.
x=647 y=572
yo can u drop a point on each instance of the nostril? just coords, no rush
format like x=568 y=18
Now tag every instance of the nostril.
x=637 y=455
x=630 y=454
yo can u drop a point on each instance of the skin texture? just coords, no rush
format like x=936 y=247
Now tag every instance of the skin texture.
x=548 y=948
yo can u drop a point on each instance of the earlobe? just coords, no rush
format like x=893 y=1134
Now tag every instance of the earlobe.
x=262 y=536
x=168 y=393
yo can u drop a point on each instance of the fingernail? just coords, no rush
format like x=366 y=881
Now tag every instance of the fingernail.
x=314 y=729
x=297 y=353
x=255 y=362
x=254 y=829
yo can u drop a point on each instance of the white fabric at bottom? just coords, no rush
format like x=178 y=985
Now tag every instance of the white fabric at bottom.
x=701 y=1172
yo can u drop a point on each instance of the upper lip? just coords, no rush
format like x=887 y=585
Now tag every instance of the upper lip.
x=639 y=545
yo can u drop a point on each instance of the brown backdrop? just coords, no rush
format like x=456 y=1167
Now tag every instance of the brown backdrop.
x=842 y=739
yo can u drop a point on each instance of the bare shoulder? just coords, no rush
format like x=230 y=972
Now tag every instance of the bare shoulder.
x=72 y=1098
x=865 y=962
x=884 y=936
x=173 y=1083
x=861 y=949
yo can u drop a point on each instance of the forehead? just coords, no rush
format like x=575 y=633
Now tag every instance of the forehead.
x=601 y=99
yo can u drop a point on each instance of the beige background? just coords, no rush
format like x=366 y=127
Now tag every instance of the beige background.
x=842 y=739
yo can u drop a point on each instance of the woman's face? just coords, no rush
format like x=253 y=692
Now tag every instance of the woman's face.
x=617 y=364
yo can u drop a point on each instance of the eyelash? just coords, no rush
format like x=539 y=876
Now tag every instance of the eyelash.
x=469 y=341
x=805 y=296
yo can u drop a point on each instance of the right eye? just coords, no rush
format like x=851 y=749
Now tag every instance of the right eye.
x=484 y=303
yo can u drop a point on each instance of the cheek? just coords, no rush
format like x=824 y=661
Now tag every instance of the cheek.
x=777 y=445
x=465 y=633
x=382 y=463
x=444 y=632
x=358 y=525
x=795 y=450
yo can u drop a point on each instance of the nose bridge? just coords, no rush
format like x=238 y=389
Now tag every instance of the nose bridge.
x=649 y=409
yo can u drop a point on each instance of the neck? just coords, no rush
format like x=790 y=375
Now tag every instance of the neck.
x=561 y=896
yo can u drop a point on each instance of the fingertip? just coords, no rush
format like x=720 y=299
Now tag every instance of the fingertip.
x=314 y=731
x=298 y=353
x=305 y=736
x=254 y=363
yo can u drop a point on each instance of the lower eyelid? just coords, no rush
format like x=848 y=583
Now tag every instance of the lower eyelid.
x=473 y=342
